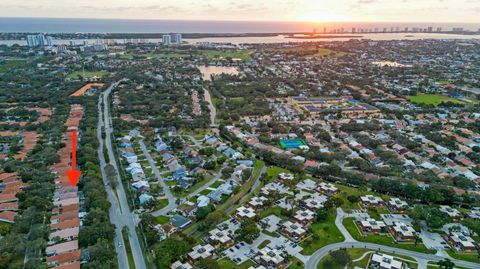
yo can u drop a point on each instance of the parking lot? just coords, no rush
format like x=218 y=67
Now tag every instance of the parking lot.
x=271 y=222
x=240 y=252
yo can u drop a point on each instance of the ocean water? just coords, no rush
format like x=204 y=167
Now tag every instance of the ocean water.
x=57 y=25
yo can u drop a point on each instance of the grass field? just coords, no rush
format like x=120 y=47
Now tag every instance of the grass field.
x=87 y=74
x=327 y=262
x=431 y=99
x=274 y=171
x=466 y=257
x=162 y=219
x=244 y=55
x=326 y=233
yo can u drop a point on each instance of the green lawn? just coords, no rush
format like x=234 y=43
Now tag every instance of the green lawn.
x=275 y=210
x=87 y=74
x=324 y=233
x=226 y=263
x=431 y=99
x=273 y=171
x=355 y=253
x=295 y=263
x=244 y=55
x=162 y=219
x=463 y=256
x=322 y=52
x=217 y=183
x=161 y=204
x=385 y=240
x=128 y=249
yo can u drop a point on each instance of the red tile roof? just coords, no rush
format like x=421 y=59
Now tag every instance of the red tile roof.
x=9 y=206
x=66 y=224
x=8 y=216
x=75 y=265
x=65 y=258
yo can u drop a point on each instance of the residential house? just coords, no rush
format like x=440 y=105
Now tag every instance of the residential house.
x=396 y=205
x=327 y=188
x=270 y=258
x=371 y=226
x=201 y=252
x=245 y=213
x=461 y=242
x=402 y=231
x=219 y=237
x=384 y=261
x=371 y=201
x=293 y=230
x=305 y=217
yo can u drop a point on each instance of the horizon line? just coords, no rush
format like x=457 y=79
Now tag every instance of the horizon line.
x=216 y=20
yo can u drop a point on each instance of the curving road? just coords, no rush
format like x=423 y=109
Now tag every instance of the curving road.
x=421 y=258
x=321 y=253
x=120 y=214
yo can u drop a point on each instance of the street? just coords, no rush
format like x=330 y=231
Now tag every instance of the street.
x=171 y=199
x=120 y=214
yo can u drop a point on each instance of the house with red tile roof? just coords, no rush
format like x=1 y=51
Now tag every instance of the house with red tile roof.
x=64 y=258
x=7 y=216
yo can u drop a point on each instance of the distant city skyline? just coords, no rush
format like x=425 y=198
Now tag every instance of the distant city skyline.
x=465 y=11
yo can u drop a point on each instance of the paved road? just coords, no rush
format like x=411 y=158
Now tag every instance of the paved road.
x=252 y=189
x=339 y=223
x=120 y=213
x=321 y=253
x=421 y=258
x=166 y=190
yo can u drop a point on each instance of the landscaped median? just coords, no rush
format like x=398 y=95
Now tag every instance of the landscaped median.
x=385 y=240
x=233 y=200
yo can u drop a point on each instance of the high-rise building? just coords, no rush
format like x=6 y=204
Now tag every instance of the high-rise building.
x=49 y=41
x=439 y=29
x=176 y=38
x=166 y=40
x=353 y=30
x=41 y=40
x=32 y=41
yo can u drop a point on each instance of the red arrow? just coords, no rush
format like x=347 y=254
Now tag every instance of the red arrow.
x=74 y=174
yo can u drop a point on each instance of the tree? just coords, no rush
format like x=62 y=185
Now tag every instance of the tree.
x=202 y=212
x=248 y=231
x=322 y=215
x=170 y=250
x=333 y=202
x=353 y=198
x=341 y=257
x=102 y=255
x=446 y=264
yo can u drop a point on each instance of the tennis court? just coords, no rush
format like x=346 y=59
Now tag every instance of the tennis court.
x=291 y=143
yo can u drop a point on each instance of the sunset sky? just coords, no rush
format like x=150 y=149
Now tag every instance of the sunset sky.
x=269 y=10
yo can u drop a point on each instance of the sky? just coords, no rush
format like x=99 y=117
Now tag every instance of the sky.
x=252 y=10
